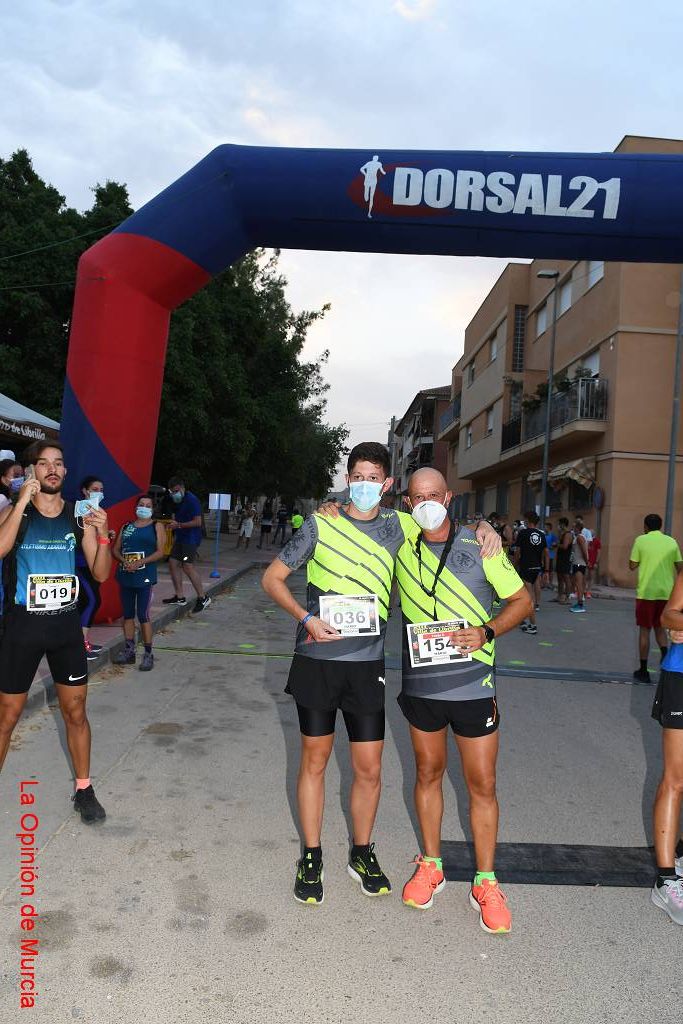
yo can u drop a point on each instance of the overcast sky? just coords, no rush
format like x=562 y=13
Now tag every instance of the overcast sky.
x=140 y=91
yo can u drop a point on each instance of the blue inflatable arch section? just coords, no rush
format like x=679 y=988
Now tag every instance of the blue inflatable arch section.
x=538 y=205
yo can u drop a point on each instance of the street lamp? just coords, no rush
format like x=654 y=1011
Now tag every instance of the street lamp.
x=551 y=275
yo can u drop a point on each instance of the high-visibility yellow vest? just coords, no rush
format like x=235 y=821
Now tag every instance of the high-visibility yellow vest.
x=347 y=561
x=452 y=598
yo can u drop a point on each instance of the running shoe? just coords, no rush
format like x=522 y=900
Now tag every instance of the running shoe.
x=491 y=903
x=92 y=651
x=308 y=885
x=678 y=864
x=669 y=897
x=427 y=880
x=174 y=600
x=364 y=868
x=531 y=629
x=524 y=625
x=89 y=807
x=200 y=604
x=147 y=663
x=577 y=608
x=124 y=657
x=641 y=675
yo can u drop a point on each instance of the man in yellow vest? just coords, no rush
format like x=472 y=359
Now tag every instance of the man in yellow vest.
x=447 y=591
x=339 y=656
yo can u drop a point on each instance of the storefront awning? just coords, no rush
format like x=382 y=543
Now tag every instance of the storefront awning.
x=20 y=425
x=582 y=471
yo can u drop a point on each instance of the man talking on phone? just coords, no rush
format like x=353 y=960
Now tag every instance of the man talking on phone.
x=38 y=541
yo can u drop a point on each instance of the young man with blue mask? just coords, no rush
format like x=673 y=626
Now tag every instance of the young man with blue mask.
x=338 y=662
x=187 y=525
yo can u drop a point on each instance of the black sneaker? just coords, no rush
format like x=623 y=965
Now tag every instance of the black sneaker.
x=88 y=805
x=641 y=675
x=174 y=600
x=531 y=629
x=201 y=604
x=364 y=868
x=308 y=885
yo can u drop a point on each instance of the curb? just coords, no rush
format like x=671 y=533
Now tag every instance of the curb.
x=43 y=692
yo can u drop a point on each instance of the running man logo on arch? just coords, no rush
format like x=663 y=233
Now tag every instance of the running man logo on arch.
x=398 y=190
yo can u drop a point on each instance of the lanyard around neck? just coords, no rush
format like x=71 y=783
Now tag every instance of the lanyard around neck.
x=431 y=591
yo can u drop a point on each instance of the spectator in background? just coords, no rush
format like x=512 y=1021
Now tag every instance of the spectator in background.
x=11 y=479
x=657 y=558
x=89 y=599
x=551 y=544
x=579 y=562
x=246 y=527
x=585 y=532
x=563 y=561
x=532 y=563
x=281 y=525
x=187 y=525
x=266 y=526
x=594 y=549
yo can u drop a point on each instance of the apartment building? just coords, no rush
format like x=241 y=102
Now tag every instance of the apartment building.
x=412 y=439
x=611 y=404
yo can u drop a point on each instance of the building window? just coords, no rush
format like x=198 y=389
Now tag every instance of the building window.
x=479 y=501
x=541 y=319
x=468 y=438
x=493 y=348
x=489 y=421
x=470 y=373
x=454 y=455
x=596 y=271
x=502 y=497
x=519 y=338
x=565 y=297
x=516 y=395
x=579 y=497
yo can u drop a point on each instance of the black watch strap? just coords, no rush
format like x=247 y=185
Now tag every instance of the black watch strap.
x=490 y=635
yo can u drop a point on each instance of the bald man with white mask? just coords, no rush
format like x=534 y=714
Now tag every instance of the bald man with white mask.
x=447 y=591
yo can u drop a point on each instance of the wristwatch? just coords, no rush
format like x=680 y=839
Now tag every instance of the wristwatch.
x=490 y=635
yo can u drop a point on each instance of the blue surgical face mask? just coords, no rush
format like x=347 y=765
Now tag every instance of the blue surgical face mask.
x=177 y=496
x=143 y=512
x=96 y=496
x=365 y=494
x=16 y=484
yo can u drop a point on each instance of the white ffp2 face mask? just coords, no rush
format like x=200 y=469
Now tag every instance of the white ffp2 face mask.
x=429 y=514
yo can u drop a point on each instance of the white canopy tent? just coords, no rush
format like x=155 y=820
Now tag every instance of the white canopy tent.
x=19 y=426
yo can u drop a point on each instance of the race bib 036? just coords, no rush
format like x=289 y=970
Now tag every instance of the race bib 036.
x=352 y=615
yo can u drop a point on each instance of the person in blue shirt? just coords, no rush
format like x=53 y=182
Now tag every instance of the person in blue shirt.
x=139 y=546
x=667 y=892
x=551 y=540
x=187 y=524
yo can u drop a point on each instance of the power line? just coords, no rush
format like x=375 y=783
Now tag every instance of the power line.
x=26 y=287
x=63 y=241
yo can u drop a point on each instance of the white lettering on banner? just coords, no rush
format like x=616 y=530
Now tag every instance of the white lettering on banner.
x=501 y=192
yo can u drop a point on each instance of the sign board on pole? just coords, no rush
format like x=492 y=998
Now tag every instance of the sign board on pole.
x=220 y=502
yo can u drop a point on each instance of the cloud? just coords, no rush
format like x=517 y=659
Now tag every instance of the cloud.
x=414 y=10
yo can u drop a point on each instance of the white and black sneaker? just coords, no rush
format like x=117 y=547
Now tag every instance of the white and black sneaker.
x=531 y=629
x=174 y=600
x=201 y=604
x=669 y=897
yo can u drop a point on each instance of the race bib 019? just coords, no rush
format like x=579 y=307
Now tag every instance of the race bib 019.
x=352 y=615
x=50 y=593
x=435 y=643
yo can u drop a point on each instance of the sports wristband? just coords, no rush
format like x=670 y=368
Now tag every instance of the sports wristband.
x=103 y=540
x=306 y=618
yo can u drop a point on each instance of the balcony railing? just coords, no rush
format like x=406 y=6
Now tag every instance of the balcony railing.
x=586 y=399
x=451 y=414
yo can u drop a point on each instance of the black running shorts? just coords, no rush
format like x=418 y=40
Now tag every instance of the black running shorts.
x=353 y=686
x=28 y=637
x=182 y=552
x=530 y=575
x=667 y=708
x=469 y=718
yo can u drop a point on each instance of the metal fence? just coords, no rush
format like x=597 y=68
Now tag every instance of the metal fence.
x=451 y=414
x=586 y=399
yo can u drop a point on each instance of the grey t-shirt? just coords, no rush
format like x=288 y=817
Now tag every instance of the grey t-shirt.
x=467 y=680
x=385 y=529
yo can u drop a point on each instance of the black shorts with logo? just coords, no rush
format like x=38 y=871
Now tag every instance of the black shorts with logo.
x=468 y=718
x=356 y=687
x=667 y=708
x=182 y=552
x=530 y=575
x=27 y=637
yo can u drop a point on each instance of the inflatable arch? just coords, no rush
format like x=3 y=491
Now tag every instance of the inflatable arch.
x=536 y=205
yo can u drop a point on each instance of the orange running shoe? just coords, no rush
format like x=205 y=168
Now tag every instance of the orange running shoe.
x=419 y=891
x=491 y=902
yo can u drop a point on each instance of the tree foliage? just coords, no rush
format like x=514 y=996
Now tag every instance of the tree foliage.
x=241 y=411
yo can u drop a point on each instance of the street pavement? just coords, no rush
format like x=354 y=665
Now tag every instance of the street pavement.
x=179 y=907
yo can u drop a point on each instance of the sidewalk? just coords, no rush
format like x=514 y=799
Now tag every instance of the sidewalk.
x=232 y=564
